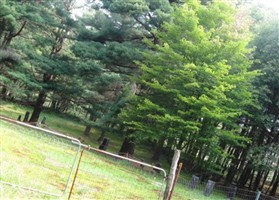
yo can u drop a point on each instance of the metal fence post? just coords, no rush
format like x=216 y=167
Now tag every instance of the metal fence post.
x=72 y=187
x=258 y=195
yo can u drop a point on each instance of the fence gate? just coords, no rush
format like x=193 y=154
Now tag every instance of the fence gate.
x=37 y=163
x=35 y=160
x=103 y=175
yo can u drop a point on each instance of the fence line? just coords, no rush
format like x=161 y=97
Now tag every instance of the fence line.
x=123 y=158
x=221 y=192
x=76 y=143
x=130 y=160
x=64 y=140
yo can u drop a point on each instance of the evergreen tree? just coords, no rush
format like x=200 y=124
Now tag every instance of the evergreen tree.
x=53 y=27
x=195 y=84
x=111 y=40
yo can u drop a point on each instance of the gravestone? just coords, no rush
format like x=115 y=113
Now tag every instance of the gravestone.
x=209 y=188
x=104 y=144
x=26 y=117
x=194 y=182
x=19 y=118
x=232 y=192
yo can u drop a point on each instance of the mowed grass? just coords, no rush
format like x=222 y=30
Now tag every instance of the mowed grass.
x=71 y=127
x=36 y=160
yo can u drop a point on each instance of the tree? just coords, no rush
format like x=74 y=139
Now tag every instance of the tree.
x=12 y=24
x=54 y=27
x=194 y=84
x=265 y=119
x=109 y=44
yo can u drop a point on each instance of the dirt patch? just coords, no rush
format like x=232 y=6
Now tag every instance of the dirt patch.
x=58 y=185
x=22 y=152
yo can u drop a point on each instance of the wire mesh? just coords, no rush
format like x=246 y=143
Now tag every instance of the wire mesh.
x=34 y=160
x=106 y=177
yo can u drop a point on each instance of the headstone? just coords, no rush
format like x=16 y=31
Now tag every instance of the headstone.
x=19 y=118
x=43 y=121
x=194 y=182
x=232 y=192
x=104 y=144
x=26 y=117
x=209 y=188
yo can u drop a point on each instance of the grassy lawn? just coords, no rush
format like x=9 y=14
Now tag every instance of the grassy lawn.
x=35 y=159
x=28 y=153
x=68 y=126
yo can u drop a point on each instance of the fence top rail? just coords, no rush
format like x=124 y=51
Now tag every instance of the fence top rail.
x=124 y=158
x=76 y=141
x=40 y=129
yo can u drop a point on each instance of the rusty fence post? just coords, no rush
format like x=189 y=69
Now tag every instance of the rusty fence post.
x=72 y=187
x=176 y=178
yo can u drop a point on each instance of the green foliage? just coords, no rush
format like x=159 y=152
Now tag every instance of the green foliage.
x=264 y=157
x=196 y=83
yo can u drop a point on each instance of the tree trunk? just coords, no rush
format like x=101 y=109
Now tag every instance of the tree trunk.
x=53 y=105
x=4 y=92
x=159 y=149
x=245 y=175
x=87 y=130
x=264 y=180
x=102 y=136
x=38 y=106
x=233 y=167
x=88 y=127
x=124 y=148
x=251 y=180
x=41 y=99
x=258 y=180
x=180 y=143
x=272 y=181
x=275 y=186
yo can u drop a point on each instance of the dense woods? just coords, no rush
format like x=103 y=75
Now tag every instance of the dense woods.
x=202 y=77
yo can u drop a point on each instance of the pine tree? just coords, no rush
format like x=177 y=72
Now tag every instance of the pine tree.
x=194 y=84
x=111 y=41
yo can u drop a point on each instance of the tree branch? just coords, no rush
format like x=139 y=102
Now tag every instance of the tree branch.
x=21 y=28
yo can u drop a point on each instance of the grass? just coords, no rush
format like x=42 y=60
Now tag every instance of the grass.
x=69 y=126
x=37 y=160
x=34 y=159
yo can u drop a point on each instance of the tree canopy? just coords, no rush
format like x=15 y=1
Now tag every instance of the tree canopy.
x=200 y=76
